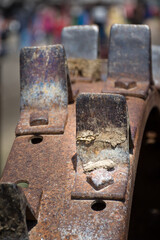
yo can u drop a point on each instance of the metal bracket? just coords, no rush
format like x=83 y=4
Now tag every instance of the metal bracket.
x=102 y=147
x=44 y=90
x=129 y=61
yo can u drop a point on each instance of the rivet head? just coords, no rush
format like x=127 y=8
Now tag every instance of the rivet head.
x=125 y=83
x=38 y=118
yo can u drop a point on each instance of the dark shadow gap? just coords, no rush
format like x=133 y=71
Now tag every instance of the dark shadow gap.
x=145 y=213
x=30 y=220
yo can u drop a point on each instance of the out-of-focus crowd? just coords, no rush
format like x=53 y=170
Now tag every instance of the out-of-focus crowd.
x=38 y=24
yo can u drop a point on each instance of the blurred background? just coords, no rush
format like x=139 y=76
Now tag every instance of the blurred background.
x=37 y=22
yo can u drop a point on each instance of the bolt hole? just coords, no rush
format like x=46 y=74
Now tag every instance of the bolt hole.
x=36 y=139
x=98 y=205
x=22 y=184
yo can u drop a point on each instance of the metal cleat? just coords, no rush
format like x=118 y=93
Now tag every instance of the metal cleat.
x=129 y=60
x=82 y=58
x=73 y=41
x=44 y=90
x=102 y=146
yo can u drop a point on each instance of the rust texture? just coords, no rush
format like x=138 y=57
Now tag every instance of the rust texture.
x=13 y=207
x=44 y=90
x=70 y=200
x=129 y=60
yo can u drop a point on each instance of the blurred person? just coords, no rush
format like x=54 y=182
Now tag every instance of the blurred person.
x=154 y=24
x=1 y=26
x=38 y=33
x=116 y=14
x=13 y=39
x=75 y=12
x=48 y=23
x=62 y=19
x=129 y=8
x=140 y=13
x=83 y=18
x=4 y=31
x=99 y=17
x=149 y=14
x=24 y=16
x=48 y=15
